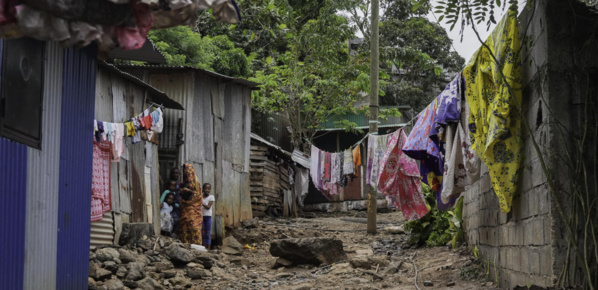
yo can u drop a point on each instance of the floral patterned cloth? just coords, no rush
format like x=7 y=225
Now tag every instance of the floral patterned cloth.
x=191 y=216
x=399 y=179
x=376 y=148
x=100 y=181
x=449 y=103
x=421 y=146
x=494 y=122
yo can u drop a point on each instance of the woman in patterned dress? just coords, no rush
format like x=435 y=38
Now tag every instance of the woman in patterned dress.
x=191 y=218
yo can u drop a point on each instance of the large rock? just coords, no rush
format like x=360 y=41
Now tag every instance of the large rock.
x=250 y=224
x=114 y=284
x=163 y=266
x=314 y=251
x=178 y=254
x=107 y=254
x=131 y=233
x=97 y=273
x=148 y=284
x=135 y=271
x=127 y=256
x=231 y=246
x=198 y=273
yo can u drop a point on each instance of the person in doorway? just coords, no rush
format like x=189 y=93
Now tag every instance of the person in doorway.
x=166 y=220
x=175 y=175
x=206 y=210
x=190 y=224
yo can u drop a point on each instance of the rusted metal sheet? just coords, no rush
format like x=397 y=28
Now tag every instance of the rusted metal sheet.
x=244 y=197
x=207 y=120
x=247 y=125
x=228 y=199
x=175 y=85
x=137 y=187
x=124 y=185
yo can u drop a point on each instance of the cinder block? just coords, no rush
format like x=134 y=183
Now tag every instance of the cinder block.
x=525 y=261
x=533 y=204
x=504 y=235
x=546 y=261
x=538 y=176
x=538 y=231
x=514 y=258
x=544 y=199
x=534 y=261
x=485 y=183
x=528 y=237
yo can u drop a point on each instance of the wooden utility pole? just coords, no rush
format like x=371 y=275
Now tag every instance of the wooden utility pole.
x=375 y=59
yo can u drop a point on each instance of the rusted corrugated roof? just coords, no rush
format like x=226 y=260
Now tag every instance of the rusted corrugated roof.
x=157 y=96
x=248 y=83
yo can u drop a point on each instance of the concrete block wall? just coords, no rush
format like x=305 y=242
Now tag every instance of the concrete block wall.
x=519 y=247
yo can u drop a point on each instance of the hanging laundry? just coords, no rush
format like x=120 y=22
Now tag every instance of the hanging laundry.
x=494 y=122
x=315 y=167
x=91 y=11
x=157 y=121
x=302 y=184
x=8 y=20
x=145 y=122
x=118 y=145
x=130 y=129
x=348 y=164
x=178 y=4
x=357 y=159
x=449 y=103
x=100 y=181
x=41 y=25
x=399 y=179
x=461 y=165
x=420 y=146
x=132 y=36
x=377 y=146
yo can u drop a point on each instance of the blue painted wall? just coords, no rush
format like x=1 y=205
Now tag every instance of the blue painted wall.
x=74 y=202
x=13 y=189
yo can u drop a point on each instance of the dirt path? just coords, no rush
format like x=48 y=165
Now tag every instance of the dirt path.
x=374 y=261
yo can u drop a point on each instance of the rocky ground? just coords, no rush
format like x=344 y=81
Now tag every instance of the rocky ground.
x=341 y=254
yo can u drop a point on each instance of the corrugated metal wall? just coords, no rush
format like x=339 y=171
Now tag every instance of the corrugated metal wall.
x=42 y=181
x=13 y=169
x=102 y=232
x=74 y=203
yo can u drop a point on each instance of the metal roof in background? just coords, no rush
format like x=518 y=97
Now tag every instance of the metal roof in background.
x=362 y=120
x=241 y=81
x=265 y=142
x=147 y=53
x=301 y=159
x=156 y=95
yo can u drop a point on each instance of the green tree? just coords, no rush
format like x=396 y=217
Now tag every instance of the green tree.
x=182 y=46
x=413 y=50
x=314 y=79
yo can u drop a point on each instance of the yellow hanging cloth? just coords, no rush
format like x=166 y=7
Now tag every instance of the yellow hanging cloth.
x=130 y=128
x=494 y=119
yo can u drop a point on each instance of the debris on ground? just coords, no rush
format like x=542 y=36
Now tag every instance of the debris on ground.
x=329 y=253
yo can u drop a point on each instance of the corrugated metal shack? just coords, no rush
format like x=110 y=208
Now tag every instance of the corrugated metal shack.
x=212 y=134
x=135 y=186
x=46 y=117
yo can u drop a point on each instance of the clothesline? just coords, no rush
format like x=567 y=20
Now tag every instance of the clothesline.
x=365 y=136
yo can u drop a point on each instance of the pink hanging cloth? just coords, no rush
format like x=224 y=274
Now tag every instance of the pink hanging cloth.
x=400 y=179
x=100 y=182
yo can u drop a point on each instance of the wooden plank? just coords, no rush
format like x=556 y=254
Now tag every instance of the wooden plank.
x=259 y=207
x=260 y=148
x=258 y=213
x=254 y=157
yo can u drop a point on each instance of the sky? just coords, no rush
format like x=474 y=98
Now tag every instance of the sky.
x=470 y=42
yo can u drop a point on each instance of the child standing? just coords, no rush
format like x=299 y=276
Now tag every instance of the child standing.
x=206 y=209
x=166 y=219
